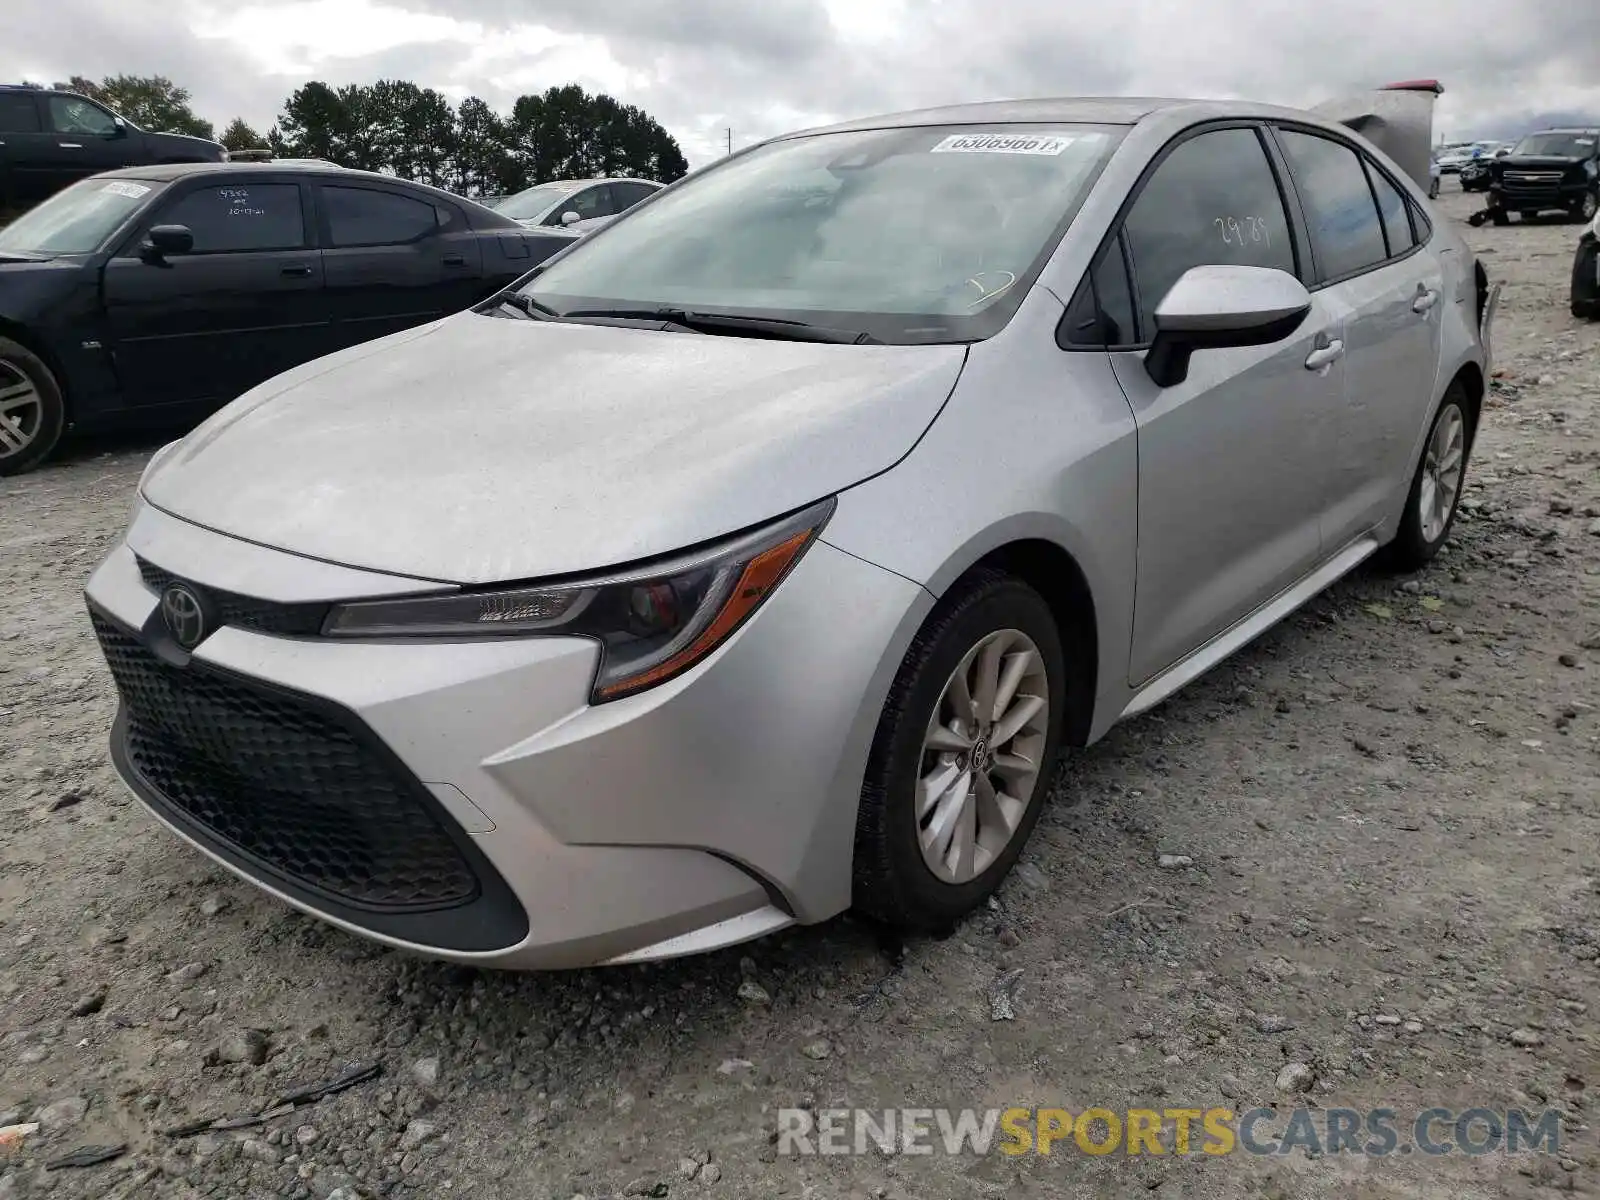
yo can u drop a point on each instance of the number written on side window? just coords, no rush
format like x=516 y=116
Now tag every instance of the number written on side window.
x=1237 y=231
x=260 y=216
x=1213 y=201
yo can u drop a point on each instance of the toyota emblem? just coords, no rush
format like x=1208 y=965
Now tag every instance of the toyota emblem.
x=184 y=615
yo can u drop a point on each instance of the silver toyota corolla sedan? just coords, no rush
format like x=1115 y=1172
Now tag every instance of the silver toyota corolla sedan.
x=756 y=557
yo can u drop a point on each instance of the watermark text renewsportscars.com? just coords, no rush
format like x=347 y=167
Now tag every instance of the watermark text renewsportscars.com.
x=1377 y=1132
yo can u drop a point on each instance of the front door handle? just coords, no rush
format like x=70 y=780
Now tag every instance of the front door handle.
x=455 y=260
x=1322 y=356
x=1426 y=298
x=70 y=145
x=297 y=272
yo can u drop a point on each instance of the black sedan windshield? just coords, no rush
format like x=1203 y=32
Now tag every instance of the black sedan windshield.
x=910 y=235
x=1556 y=145
x=77 y=220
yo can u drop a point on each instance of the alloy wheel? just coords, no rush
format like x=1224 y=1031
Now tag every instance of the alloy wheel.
x=1588 y=206
x=981 y=756
x=1442 y=468
x=21 y=409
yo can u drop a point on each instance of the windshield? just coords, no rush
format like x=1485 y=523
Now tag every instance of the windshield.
x=1556 y=145
x=533 y=203
x=911 y=235
x=77 y=220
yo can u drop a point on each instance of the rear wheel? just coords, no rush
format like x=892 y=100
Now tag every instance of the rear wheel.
x=1500 y=216
x=1584 y=210
x=962 y=757
x=1586 y=279
x=1436 y=487
x=32 y=413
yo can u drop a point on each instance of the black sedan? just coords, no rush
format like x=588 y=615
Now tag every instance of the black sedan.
x=157 y=294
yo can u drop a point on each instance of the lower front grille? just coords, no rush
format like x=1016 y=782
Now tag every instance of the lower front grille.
x=298 y=792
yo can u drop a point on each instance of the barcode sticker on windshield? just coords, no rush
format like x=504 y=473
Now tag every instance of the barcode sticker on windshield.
x=118 y=188
x=1003 y=143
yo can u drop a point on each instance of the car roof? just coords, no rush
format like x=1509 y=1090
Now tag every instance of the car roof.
x=1077 y=110
x=1566 y=129
x=578 y=183
x=169 y=172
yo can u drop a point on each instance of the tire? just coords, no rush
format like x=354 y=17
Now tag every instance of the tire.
x=1500 y=216
x=33 y=411
x=1433 y=189
x=894 y=881
x=1584 y=211
x=1585 y=284
x=1418 y=540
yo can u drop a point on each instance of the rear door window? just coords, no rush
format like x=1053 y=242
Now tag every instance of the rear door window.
x=626 y=195
x=18 y=113
x=368 y=217
x=1346 y=231
x=1393 y=210
x=240 y=216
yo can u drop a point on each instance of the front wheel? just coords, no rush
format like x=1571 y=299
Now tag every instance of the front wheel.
x=32 y=412
x=1436 y=487
x=1433 y=189
x=962 y=757
x=1500 y=216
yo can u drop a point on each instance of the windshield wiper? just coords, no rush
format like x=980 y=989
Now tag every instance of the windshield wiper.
x=774 y=327
x=527 y=306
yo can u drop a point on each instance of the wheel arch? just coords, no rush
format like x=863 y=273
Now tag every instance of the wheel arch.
x=1052 y=571
x=26 y=338
x=1470 y=377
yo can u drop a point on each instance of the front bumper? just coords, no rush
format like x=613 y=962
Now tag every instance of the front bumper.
x=1532 y=196
x=463 y=800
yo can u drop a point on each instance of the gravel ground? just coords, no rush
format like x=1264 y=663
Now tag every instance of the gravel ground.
x=1388 y=806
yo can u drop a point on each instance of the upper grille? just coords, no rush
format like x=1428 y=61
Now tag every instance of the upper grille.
x=266 y=616
x=291 y=786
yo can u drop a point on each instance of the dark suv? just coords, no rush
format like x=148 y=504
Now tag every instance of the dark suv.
x=1552 y=170
x=49 y=139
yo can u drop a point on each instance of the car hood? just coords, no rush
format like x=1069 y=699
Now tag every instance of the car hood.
x=481 y=449
x=1547 y=162
x=183 y=143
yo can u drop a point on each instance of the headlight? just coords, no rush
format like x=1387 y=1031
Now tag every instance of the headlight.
x=652 y=622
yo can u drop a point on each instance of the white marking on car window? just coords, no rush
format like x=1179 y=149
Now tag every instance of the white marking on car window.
x=1004 y=143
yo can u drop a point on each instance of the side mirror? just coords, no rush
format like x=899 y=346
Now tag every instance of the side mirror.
x=570 y=218
x=119 y=128
x=166 y=239
x=1214 y=307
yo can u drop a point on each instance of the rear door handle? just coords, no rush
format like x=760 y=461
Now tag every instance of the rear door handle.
x=1323 y=355
x=70 y=145
x=455 y=260
x=297 y=272
x=1426 y=298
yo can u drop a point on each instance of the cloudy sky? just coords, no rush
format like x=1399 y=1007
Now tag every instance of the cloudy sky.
x=764 y=66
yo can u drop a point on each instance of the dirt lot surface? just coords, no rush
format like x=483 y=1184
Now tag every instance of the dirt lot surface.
x=1389 y=804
